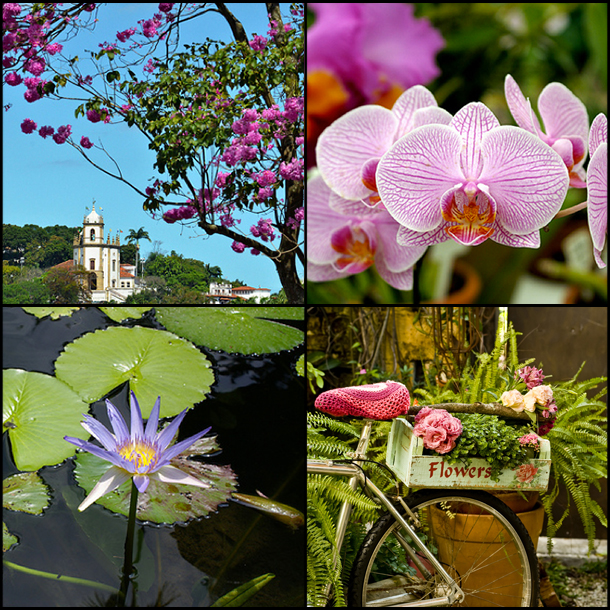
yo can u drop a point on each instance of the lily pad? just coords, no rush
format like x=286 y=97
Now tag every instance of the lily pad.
x=155 y=362
x=8 y=539
x=38 y=411
x=118 y=314
x=162 y=502
x=234 y=329
x=54 y=312
x=26 y=493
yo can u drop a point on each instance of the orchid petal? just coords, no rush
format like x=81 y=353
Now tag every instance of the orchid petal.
x=562 y=112
x=407 y=237
x=406 y=106
x=346 y=145
x=472 y=122
x=599 y=132
x=502 y=236
x=110 y=480
x=395 y=258
x=597 y=189
x=527 y=179
x=520 y=107
x=414 y=174
x=323 y=273
x=171 y=474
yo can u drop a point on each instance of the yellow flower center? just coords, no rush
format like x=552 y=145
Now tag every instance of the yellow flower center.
x=139 y=454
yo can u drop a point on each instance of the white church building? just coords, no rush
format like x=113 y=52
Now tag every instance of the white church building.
x=108 y=279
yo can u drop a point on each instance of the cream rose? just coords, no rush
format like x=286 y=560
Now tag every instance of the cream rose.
x=542 y=394
x=514 y=400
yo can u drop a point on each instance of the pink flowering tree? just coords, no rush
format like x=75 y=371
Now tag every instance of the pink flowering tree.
x=225 y=120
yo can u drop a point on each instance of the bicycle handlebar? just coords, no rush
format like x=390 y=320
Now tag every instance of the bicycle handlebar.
x=494 y=408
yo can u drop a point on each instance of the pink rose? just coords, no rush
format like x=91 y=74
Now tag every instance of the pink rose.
x=438 y=429
x=542 y=394
x=526 y=473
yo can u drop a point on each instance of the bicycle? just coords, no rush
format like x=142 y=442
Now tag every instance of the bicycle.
x=425 y=550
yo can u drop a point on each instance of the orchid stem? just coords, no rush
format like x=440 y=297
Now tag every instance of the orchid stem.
x=572 y=210
x=131 y=527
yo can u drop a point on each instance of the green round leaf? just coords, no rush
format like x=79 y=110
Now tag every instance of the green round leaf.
x=26 y=493
x=234 y=329
x=8 y=539
x=155 y=362
x=118 y=314
x=162 y=502
x=38 y=411
x=54 y=312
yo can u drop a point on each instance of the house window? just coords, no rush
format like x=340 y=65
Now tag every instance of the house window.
x=122 y=284
x=128 y=284
x=92 y=263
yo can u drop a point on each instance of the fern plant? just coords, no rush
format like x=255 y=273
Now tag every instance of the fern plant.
x=331 y=438
x=578 y=439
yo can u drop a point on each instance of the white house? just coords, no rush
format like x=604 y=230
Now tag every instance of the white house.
x=225 y=293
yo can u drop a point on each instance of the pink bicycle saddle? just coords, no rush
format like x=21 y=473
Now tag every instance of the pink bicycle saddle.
x=384 y=400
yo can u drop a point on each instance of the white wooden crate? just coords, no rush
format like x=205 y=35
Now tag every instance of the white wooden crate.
x=405 y=457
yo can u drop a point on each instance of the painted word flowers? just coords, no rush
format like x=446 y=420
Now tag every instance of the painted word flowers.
x=438 y=428
x=464 y=178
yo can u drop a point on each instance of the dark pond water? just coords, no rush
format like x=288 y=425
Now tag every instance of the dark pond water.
x=255 y=406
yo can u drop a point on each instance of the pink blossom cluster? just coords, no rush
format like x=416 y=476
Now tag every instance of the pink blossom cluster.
x=263 y=229
x=295 y=223
x=531 y=376
x=530 y=440
x=438 y=428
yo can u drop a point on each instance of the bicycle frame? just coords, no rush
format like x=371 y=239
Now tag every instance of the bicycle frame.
x=450 y=594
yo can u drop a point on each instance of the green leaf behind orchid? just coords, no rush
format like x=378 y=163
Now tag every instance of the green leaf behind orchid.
x=38 y=411
x=162 y=502
x=234 y=329
x=154 y=362
x=54 y=312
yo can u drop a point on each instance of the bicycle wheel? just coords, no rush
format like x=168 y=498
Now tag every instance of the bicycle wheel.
x=477 y=539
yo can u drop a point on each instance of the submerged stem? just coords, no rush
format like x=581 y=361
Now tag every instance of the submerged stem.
x=131 y=526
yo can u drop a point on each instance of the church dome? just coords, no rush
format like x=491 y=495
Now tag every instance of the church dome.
x=93 y=217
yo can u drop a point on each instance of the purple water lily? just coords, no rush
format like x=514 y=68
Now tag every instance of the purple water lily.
x=349 y=150
x=471 y=180
x=597 y=185
x=565 y=120
x=346 y=237
x=141 y=455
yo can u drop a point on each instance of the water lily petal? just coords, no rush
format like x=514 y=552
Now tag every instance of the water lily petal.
x=110 y=480
x=415 y=173
x=141 y=482
x=153 y=421
x=527 y=179
x=178 y=448
x=121 y=431
x=100 y=432
x=346 y=145
x=166 y=436
x=137 y=429
x=171 y=474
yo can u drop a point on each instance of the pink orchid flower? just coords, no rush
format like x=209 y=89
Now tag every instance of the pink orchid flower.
x=351 y=237
x=597 y=186
x=565 y=120
x=349 y=150
x=471 y=180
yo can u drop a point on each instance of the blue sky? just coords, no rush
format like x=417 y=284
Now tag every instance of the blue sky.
x=46 y=184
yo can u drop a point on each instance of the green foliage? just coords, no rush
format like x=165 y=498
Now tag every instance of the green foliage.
x=490 y=438
x=579 y=445
x=331 y=438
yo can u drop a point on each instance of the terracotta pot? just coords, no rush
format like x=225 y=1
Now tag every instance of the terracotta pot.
x=516 y=502
x=479 y=537
x=470 y=285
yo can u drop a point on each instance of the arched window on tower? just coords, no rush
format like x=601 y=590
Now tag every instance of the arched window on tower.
x=92 y=234
x=92 y=263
